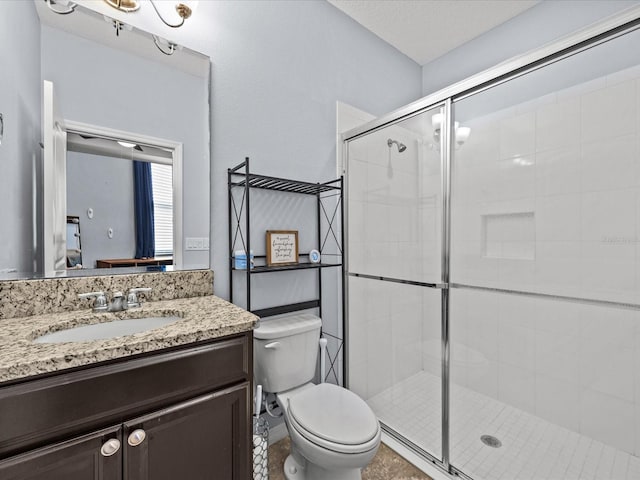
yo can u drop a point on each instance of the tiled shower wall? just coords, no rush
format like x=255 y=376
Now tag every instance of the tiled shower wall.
x=393 y=226
x=566 y=167
x=570 y=161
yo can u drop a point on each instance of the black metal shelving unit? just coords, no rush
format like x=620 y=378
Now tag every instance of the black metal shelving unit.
x=240 y=178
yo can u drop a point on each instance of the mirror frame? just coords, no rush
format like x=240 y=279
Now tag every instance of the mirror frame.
x=175 y=162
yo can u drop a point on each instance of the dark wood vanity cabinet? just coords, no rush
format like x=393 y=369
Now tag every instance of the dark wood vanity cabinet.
x=76 y=459
x=173 y=415
x=199 y=439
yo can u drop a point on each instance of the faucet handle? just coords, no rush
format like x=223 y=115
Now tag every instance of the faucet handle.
x=100 y=302
x=132 y=298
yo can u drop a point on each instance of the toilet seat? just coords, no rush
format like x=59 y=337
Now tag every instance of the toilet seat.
x=334 y=418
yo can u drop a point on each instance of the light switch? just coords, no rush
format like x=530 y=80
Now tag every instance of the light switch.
x=197 y=243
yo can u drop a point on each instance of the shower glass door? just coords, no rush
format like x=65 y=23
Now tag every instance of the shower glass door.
x=394 y=235
x=545 y=272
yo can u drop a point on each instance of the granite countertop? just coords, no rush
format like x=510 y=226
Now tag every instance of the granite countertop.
x=203 y=318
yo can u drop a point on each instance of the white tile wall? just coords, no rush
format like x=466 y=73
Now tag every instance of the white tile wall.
x=573 y=364
x=574 y=156
x=517 y=135
x=607 y=419
x=558 y=170
x=396 y=200
x=393 y=327
x=609 y=112
x=609 y=164
x=557 y=123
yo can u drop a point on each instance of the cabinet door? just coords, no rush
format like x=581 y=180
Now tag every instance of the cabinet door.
x=206 y=438
x=95 y=456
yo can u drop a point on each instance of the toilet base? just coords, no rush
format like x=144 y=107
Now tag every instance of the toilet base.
x=293 y=470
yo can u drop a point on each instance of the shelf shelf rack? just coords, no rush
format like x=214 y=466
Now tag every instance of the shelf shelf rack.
x=239 y=177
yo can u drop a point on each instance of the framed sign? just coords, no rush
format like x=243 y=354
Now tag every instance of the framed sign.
x=282 y=247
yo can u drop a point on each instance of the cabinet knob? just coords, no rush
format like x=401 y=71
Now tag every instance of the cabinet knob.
x=110 y=447
x=137 y=437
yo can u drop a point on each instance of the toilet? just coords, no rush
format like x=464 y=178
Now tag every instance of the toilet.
x=334 y=434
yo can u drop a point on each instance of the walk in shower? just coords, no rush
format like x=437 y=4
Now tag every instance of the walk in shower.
x=494 y=265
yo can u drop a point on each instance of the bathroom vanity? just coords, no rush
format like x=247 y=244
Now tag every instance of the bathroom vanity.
x=169 y=403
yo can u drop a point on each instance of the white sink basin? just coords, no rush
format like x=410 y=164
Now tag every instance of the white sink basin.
x=102 y=331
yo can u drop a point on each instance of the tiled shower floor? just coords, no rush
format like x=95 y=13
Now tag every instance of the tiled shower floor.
x=532 y=448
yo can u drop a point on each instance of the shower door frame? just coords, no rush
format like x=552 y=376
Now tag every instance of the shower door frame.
x=601 y=32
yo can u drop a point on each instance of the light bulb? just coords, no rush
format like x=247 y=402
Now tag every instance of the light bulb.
x=436 y=121
x=462 y=134
x=186 y=8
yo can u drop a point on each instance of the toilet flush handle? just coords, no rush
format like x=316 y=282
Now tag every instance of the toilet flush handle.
x=272 y=345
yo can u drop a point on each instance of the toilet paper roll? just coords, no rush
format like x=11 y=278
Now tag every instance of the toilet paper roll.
x=260 y=455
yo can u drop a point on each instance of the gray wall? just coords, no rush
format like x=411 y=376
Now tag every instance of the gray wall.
x=111 y=88
x=104 y=184
x=278 y=70
x=541 y=24
x=19 y=153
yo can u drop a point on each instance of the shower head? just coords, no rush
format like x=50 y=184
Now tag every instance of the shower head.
x=401 y=146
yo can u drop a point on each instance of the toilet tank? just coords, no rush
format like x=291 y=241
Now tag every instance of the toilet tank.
x=285 y=351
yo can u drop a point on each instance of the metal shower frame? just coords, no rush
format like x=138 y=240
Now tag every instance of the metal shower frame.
x=612 y=27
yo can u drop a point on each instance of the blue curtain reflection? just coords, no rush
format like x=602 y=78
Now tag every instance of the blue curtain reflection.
x=145 y=229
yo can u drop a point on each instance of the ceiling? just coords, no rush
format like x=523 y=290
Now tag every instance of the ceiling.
x=426 y=29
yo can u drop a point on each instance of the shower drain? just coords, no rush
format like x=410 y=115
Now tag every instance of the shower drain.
x=491 y=441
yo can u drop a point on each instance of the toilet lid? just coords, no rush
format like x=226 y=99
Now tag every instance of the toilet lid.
x=334 y=414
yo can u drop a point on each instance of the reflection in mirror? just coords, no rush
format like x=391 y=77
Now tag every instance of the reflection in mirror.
x=117 y=82
x=121 y=193
x=74 y=245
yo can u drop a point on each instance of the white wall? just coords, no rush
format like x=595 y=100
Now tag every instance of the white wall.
x=114 y=89
x=20 y=153
x=104 y=184
x=545 y=22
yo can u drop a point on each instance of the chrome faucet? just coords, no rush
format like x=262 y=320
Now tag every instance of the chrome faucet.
x=118 y=303
x=100 y=302
x=132 y=297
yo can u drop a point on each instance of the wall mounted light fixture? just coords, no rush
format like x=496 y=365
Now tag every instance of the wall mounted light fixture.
x=461 y=133
x=184 y=9
x=124 y=5
x=65 y=7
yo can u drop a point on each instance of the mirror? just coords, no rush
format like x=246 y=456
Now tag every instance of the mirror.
x=126 y=212
x=117 y=83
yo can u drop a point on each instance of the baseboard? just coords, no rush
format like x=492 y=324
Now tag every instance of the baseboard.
x=277 y=433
